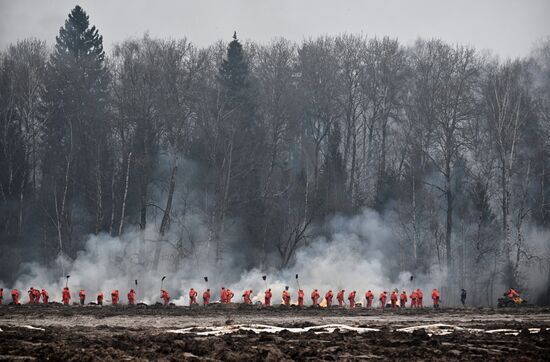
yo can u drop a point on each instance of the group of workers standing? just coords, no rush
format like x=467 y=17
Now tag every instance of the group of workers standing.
x=34 y=296
x=395 y=298
x=416 y=298
x=37 y=296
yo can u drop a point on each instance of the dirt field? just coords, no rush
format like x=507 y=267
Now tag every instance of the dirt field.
x=237 y=332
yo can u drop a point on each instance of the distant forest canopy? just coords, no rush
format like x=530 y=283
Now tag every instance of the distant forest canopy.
x=268 y=141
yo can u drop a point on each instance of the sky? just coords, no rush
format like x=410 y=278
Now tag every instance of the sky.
x=509 y=28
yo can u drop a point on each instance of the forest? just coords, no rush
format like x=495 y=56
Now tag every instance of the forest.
x=240 y=154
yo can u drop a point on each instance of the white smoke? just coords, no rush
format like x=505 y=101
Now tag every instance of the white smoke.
x=349 y=258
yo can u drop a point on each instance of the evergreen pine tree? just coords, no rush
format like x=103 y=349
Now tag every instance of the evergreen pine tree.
x=240 y=175
x=76 y=131
x=234 y=76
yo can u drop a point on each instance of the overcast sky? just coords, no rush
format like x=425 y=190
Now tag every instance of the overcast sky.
x=508 y=27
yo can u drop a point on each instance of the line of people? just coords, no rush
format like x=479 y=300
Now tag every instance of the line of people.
x=396 y=299
x=416 y=298
x=35 y=296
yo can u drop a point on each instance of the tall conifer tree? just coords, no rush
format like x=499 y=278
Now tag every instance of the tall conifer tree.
x=76 y=131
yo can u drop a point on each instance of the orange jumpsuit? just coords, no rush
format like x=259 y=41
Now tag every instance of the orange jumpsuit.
x=246 y=296
x=114 y=297
x=351 y=298
x=267 y=297
x=328 y=297
x=393 y=299
x=340 y=298
x=36 y=296
x=512 y=293
x=31 y=295
x=100 y=298
x=286 y=297
x=403 y=299
x=435 y=298
x=192 y=296
x=165 y=296
x=419 y=297
x=206 y=297
x=82 y=296
x=66 y=296
x=369 y=297
x=223 y=296
x=382 y=298
x=300 y=298
x=229 y=295
x=131 y=297
x=413 y=299
x=315 y=297
x=15 y=296
x=45 y=296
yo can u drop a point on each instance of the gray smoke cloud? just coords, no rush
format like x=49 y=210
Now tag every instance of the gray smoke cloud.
x=360 y=252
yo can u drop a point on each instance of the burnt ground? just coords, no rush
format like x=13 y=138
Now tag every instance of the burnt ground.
x=147 y=333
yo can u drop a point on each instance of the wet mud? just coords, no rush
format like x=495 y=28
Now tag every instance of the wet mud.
x=150 y=333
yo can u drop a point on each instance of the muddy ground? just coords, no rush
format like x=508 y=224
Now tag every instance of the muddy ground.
x=151 y=333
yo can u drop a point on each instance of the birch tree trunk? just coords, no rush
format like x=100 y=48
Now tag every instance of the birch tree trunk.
x=121 y=225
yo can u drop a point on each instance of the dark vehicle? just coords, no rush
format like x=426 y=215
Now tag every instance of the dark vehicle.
x=507 y=302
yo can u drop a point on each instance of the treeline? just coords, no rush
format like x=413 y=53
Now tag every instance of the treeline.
x=266 y=141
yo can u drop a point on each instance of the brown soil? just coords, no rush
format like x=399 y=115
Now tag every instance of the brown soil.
x=141 y=333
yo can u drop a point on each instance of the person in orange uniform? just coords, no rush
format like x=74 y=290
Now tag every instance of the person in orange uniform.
x=393 y=299
x=36 y=296
x=267 y=297
x=192 y=297
x=419 y=297
x=31 y=295
x=351 y=299
x=340 y=298
x=315 y=297
x=246 y=296
x=512 y=293
x=369 y=296
x=229 y=295
x=115 y=296
x=413 y=299
x=99 y=298
x=301 y=298
x=15 y=296
x=45 y=296
x=66 y=295
x=435 y=298
x=286 y=297
x=223 y=298
x=82 y=296
x=165 y=296
x=328 y=297
x=382 y=298
x=403 y=299
x=132 y=297
x=206 y=297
